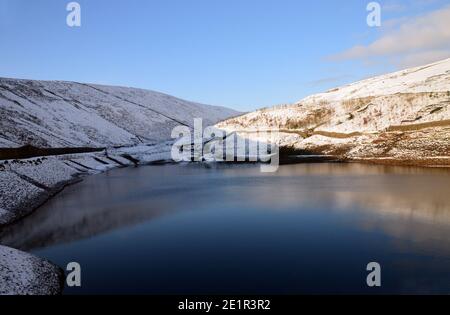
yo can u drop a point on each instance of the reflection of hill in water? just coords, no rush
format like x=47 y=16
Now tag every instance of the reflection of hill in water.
x=58 y=228
x=409 y=203
x=93 y=207
x=404 y=202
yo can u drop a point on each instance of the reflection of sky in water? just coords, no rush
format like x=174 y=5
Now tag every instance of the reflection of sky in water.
x=207 y=230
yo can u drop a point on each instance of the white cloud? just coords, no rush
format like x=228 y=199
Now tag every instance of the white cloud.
x=393 y=7
x=329 y=80
x=413 y=40
x=422 y=58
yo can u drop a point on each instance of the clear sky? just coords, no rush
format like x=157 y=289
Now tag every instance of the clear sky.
x=243 y=54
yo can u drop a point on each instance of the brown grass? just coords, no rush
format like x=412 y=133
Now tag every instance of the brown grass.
x=29 y=151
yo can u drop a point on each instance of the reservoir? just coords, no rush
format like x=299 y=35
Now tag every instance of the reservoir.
x=230 y=229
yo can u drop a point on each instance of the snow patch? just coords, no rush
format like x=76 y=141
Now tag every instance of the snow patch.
x=24 y=274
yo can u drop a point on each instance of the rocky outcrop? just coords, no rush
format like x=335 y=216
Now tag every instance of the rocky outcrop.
x=24 y=274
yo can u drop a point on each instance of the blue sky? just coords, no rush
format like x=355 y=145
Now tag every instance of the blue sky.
x=243 y=54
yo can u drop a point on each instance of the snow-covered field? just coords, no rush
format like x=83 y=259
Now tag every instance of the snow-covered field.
x=403 y=115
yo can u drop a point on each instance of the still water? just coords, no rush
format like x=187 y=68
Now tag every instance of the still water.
x=309 y=228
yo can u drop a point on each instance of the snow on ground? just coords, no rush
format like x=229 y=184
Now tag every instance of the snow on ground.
x=148 y=153
x=384 y=116
x=6 y=216
x=24 y=274
x=414 y=95
x=7 y=144
x=70 y=114
x=92 y=163
x=67 y=114
x=17 y=196
x=26 y=184
x=119 y=159
x=48 y=171
x=429 y=78
x=404 y=115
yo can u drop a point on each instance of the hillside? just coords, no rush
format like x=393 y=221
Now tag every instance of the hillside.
x=403 y=116
x=69 y=114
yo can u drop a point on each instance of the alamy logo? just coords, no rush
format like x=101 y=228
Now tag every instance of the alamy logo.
x=374 y=277
x=374 y=17
x=73 y=278
x=74 y=17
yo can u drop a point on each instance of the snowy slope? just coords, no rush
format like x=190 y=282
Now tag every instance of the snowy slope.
x=62 y=114
x=429 y=78
x=385 y=116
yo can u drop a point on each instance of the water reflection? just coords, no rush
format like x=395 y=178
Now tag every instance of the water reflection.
x=417 y=199
x=400 y=214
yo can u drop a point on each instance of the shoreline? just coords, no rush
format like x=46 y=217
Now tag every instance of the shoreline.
x=134 y=156
x=28 y=184
x=37 y=185
x=71 y=169
x=43 y=199
x=432 y=162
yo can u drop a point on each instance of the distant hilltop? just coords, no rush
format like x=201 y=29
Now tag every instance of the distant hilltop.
x=398 y=118
x=50 y=114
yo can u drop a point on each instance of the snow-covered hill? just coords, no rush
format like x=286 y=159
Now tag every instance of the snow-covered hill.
x=69 y=114
x=403 y=115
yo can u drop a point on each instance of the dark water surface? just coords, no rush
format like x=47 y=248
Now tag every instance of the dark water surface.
x=309 y=228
